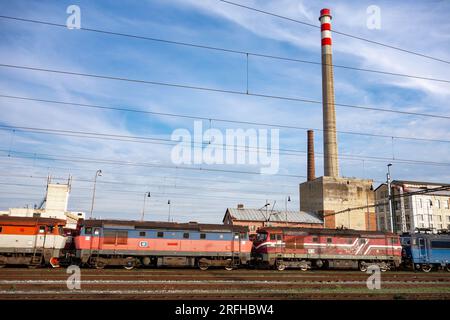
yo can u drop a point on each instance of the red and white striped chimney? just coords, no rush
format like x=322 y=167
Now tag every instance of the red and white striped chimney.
x=331 y=166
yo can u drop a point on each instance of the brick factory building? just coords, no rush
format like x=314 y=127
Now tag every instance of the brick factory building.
x=429 y=210
x=257 y=218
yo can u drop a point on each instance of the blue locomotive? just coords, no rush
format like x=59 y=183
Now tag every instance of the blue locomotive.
x=425 y=250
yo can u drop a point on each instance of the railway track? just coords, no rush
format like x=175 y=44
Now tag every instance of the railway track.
x=22 y=283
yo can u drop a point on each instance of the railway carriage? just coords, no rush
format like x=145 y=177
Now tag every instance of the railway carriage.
x=307 y=248
x=134 y=243
x=426 y=251
x=31 y=241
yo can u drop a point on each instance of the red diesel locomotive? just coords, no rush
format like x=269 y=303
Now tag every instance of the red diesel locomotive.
x=130 y=244
x=307 y=248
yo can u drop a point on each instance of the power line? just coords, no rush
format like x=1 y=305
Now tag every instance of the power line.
x=337 y=32
x=234 y=51
x=50 y=157
x=290 y=152
x=208 y=89
x=141 y=175
x=164 y=114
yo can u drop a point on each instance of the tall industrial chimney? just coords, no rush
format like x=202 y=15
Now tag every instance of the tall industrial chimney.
x=311 y=161
x=331 y=166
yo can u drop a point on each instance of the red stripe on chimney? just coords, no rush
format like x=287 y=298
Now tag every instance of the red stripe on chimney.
x=326 y=41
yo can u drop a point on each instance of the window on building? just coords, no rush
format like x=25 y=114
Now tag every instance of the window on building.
x=142 y=234
x=446 y=204
x=437 y=218
x=186 y=235
x=448 y=218
x=160 y=234
x=420 y=217
x=438 y=204
x=419 y=202
x=421 y=225
x=439 y=226
x=202 y=235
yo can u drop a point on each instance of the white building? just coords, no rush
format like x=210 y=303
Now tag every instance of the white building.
x=429 y=209
x=53 y=206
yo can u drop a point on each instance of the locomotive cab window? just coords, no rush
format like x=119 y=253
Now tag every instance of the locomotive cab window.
x=142 y=234
x=329 y=240
x=186 y=235
x=42 y=229
x=261 y=237
x=315 y=239
x=272 y=236
x=278 y=236
x=160 y=234
x=88 y=230
x=96 y=231
x=202 y=235
x=362 y=241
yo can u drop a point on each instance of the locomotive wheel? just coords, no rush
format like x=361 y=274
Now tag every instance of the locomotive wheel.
x=229 y=266
x=446 y=268
x=280 y=265
x=362 y=266
x=130 y=263
x=202 y=265
x=426 y=267
x=100 y=265
x=304 y=268
x=33 y=266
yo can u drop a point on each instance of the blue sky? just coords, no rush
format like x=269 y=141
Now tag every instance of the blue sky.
x=421 y=26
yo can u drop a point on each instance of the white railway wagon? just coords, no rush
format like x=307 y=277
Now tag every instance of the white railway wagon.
x=31 y=241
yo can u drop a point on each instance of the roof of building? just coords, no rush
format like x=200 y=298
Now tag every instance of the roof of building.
x=421 y=183
x=132 y=224
x=274 y=216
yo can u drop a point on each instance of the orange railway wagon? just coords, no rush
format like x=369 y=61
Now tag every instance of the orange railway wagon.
x=31 y=241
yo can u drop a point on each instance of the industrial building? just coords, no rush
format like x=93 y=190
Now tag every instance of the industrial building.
x=413 y=206
x=258 y=218
x=54 y=205
x=342 y=202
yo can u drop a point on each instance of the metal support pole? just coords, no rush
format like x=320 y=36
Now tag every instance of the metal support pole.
x=391 y=214
x=97 y=174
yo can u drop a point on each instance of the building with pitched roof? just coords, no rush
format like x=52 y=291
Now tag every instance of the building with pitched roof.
x=257 y=218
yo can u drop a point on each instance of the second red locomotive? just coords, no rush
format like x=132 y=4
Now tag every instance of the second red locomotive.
x=307 y=248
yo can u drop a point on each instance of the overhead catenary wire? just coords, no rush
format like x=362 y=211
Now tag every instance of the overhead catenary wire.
x=228 y=50
x=218 y=90
x=205 y=118
x=51 y=157
x=152 y=140
x=337 y=32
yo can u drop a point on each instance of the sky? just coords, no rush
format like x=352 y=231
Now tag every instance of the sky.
x=202 y=192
